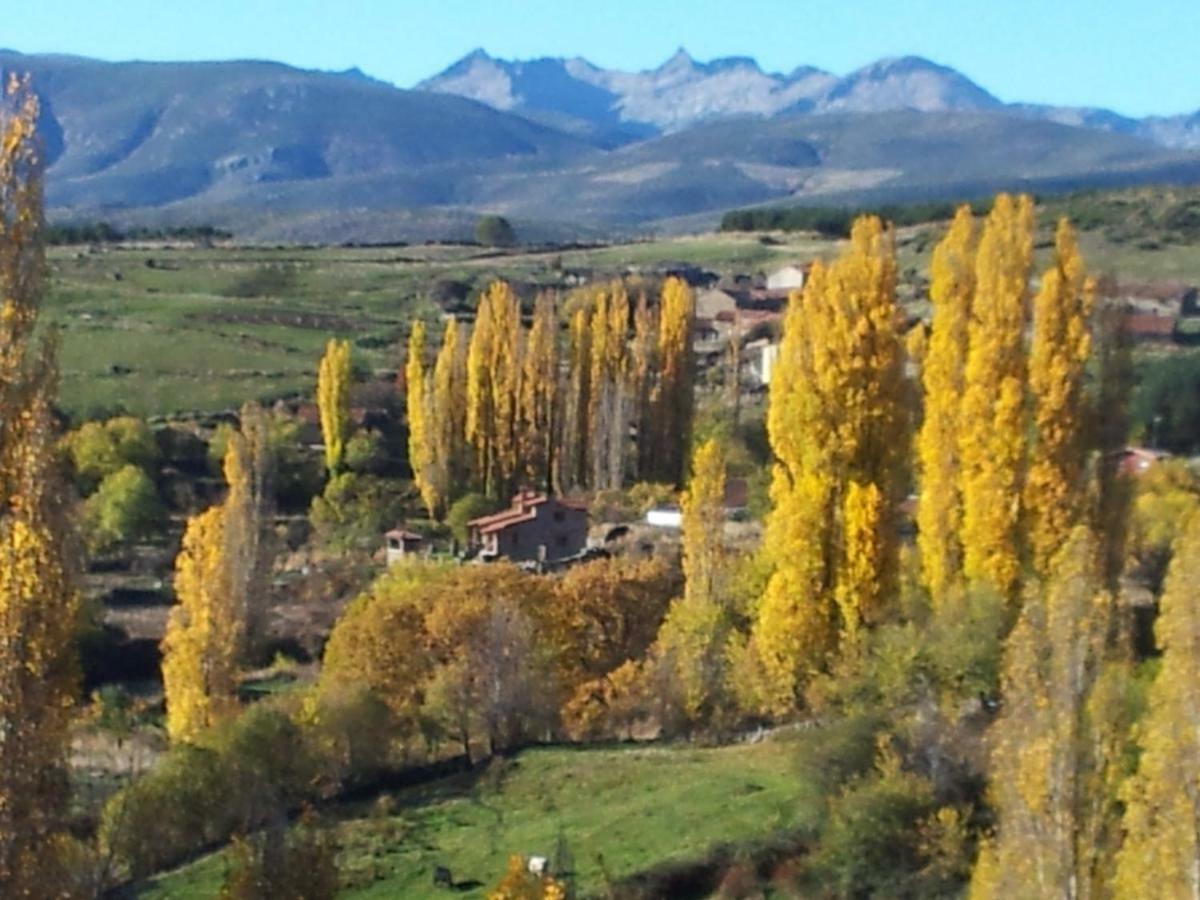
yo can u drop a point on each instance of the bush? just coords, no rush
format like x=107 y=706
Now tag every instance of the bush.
x=355 y=510
x=463 y=510
x=124 y=508
x=283 y=864
x=98 y=450
x=871 y=846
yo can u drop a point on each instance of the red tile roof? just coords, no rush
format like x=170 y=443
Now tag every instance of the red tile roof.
x=1148 y=325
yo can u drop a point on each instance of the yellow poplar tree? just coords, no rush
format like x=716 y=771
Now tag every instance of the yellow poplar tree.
x=333 y=401
x=694 y=634
x=1055 y=493
x=607 y=426
x=449 y=408
x=493 y=389
x=203 y=635
x=539 y=396
x=578 y=403
x=422 y=451
x=1051 y=757
x=38 y=602
x=1159 y=857
x=939 y=509
x=674 y=398
x=641 y=370
x=992 y=433
x=837 y=427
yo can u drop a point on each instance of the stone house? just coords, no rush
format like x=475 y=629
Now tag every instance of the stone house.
x=536 y=528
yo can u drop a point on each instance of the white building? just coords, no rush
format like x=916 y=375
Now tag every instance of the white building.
x=789 y=278
x=761 y=356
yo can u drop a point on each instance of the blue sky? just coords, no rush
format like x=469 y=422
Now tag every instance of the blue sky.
x=1138 y=58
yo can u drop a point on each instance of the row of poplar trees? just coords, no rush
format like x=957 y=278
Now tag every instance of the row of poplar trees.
x=507 y=405
x=1017 y=497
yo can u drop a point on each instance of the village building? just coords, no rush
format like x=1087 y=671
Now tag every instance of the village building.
x=788 y=278
x=402 y=544
x=761 y=356
x=536 y=528
x=1134 y=461
x=715 y=302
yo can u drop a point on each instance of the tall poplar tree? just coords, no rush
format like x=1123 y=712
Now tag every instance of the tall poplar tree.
x=577 y=404
x=1160 y=856
x=608 y=428
x=693 y=637
x=333 y=402
x=449 y=410
x=674 y=394
x=38 y=600
x=539 y=396
x=993 y=431
x=939 y=509
x=1055 y=493
x=643 y=365
x=837 y=428
x=422 y=427
x=1056 y=749
x=204 y=631
x=493 y=389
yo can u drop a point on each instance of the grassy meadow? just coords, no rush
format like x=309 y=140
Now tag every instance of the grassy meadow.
x=155 y=330
x=661 y=805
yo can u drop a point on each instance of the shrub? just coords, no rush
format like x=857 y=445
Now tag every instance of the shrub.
x=97 y=450
x=355 y=510
x=124 y=508
x=283 y=864
x=463 y=510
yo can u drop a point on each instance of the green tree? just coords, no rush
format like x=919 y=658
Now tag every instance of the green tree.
x=124 y=508
x=495 y=231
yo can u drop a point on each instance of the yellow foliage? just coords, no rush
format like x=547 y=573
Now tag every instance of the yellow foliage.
x=333 y=401
x=837 y=428
x=1054 y=486
x=673 y=395
x=539 y=397
x=423 y=453
x=992 y=430
x=692 y=639
x=493 y=389
x=939 y=512
x=1046 y=773
x=38 y=600
x=519 y=883
x=203 y=635
x=1162 y=800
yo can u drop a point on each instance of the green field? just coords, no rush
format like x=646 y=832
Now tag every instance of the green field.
x=166 y=330
x=153 y=330
x=659 y=804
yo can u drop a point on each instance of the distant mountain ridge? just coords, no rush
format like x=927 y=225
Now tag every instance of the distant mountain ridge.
x=683 y=92
x=562 y=147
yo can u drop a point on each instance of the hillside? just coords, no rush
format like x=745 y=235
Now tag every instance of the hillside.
x=275 y=154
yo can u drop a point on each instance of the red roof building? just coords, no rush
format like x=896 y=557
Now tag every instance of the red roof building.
x=536 y=527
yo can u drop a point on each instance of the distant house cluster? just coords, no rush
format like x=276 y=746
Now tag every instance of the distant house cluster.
x=1166 y=313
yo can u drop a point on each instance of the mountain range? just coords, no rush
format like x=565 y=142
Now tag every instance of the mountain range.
x=561 y=146
x=683 y=92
